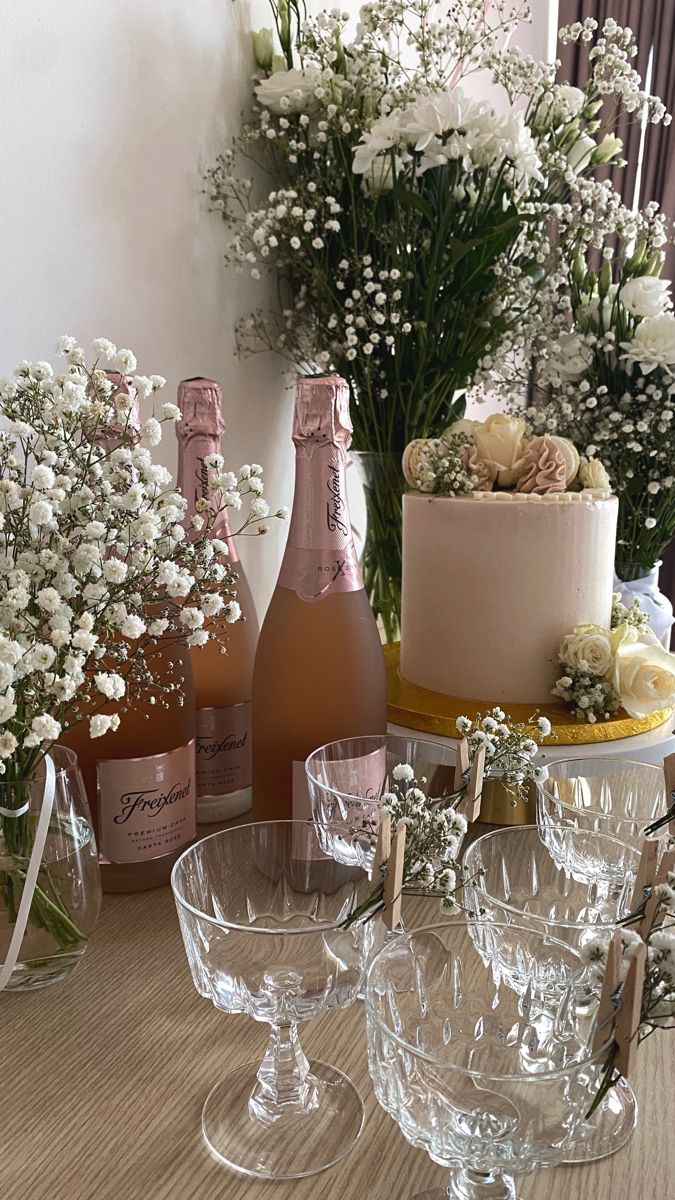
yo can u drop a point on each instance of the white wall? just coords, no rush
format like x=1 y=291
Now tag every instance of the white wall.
x=111 y=109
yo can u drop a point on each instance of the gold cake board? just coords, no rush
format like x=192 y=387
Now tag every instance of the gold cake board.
x=431 y=712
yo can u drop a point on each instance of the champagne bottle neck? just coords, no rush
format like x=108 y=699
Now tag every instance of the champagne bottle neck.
x=193 y=481
x=320 y=557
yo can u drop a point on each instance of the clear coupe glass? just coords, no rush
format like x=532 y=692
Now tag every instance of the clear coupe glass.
x=492 y=1081
x=261 y=909
x=606 y=794
x=347 y=778
x=531 y=877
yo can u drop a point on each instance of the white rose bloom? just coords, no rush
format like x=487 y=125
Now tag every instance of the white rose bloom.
x=646 y=296
x=592 y=474
x=588 y=647
x=500 y=442
x=644 y=678
x=579 y=155
x=289 y=91
x=653 y=344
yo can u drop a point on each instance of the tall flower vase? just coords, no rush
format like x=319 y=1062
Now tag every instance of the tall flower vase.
x=383 y=485
x=50 y=888
x=653 y=602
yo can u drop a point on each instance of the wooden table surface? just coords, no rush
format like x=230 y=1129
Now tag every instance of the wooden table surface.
x=103 y=1078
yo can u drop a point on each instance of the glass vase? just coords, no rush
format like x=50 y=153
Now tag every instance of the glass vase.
x=383 y=485
x=67 y=895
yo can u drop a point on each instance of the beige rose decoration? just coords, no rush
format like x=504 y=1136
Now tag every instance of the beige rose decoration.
x=415 y=462
x=501 y=444
x=588 y=647
x=644 y=677
x=592 y=474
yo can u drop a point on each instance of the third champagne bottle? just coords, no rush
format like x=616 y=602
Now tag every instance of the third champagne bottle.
x=319 y=672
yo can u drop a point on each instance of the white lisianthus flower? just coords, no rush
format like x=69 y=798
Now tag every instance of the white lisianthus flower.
x=290 y=91
x=232 y=612
x=263 y=48
x=646 y=296
x=588 y=648
x=653 y=344
x=581 y=152
x=644 y=678
x=102 y=723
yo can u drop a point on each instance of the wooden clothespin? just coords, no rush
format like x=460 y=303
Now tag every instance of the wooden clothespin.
x=470 y=802
x=461 y=763
x=646 y=874
x=669 y=773
x=666 y=865
x=383 y=844
x=610 y=996
x=628 y=1016
x=393 y=882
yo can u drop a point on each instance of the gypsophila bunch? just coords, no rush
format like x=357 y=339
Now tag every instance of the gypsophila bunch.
x=657 y=1009
x=625 y=666
x=433 y=838
x=96 y=567
x=445 y=466
x=510 y=747
x=407 y=225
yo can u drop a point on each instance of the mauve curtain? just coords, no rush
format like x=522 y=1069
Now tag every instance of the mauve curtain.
x=653 y=23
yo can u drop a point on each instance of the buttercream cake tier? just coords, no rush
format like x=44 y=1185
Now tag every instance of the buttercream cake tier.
x=492 y=583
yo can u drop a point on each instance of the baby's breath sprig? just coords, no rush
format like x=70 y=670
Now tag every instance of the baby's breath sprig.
x=510 y=747
x=433 y=839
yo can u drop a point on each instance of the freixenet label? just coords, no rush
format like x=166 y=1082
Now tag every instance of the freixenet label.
x=147 y=806
x=320 y=556
x=223 y=749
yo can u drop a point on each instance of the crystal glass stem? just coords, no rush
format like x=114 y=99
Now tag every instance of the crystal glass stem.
x=284 y=1085
x=466 y=1184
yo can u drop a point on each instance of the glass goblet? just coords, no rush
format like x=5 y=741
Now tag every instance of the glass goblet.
x=466 y=1065
x=517 y=876
x=261 y=911
x=604 y=794
x=347 y=778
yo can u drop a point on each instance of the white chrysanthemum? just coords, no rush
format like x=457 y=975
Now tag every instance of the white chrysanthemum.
x=652 y=344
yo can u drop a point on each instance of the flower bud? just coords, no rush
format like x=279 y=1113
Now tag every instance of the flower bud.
x=604 y=279
x=578 y=268
x=606 y=150
x=636 y=259
x=654 y=263
x=263 y=48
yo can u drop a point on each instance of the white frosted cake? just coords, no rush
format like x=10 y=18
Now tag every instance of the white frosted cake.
x=492 y=583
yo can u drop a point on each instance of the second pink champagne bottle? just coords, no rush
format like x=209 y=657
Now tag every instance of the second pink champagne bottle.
x=222 y=681
x=319 y=670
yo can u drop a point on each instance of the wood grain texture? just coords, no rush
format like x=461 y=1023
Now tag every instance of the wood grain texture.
x=103 y=1079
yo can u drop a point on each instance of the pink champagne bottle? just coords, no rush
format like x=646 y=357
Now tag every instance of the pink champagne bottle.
x=140 y=781
x=222 y=681
x=319 y=671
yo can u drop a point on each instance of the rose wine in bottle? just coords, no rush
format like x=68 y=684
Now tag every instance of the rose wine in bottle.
x=222 y=681
x=319 y=671
x=140 y=780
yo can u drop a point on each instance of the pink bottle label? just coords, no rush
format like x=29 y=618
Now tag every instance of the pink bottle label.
x=223 y=749
x=320 y=557
x=147 y=806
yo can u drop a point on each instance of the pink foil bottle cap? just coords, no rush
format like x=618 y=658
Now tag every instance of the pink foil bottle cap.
x=322 y=411
x=201 y=405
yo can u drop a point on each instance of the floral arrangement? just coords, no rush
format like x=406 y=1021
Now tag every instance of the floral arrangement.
x=408 y=225
x=510 y=747
x=624 y=666
x=433 y=840
x=96 y=569
x=657 y=1009
x=498 y=453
